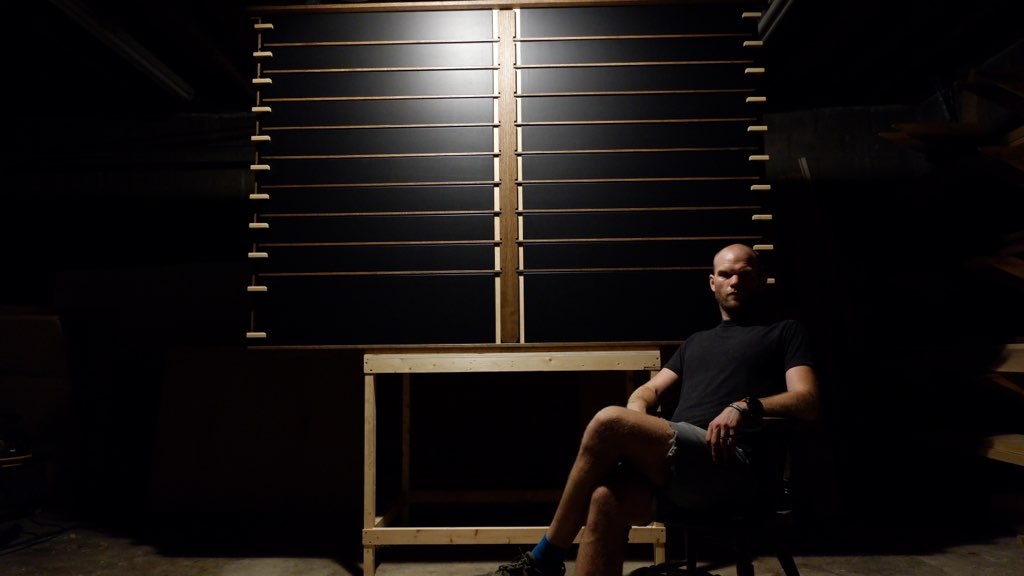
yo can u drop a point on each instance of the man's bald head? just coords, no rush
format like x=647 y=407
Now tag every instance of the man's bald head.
x=736 y=278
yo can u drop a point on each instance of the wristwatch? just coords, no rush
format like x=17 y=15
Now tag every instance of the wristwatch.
x=754 y=407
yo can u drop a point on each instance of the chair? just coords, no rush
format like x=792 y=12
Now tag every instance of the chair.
x=769 y=512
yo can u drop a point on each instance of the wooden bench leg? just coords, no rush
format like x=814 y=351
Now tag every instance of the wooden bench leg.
x=369 y=560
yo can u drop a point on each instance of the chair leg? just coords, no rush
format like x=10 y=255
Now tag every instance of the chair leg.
x=787 y=563
x=744 y=552
x=744 y=541
x=782 y=550
x=691 y=553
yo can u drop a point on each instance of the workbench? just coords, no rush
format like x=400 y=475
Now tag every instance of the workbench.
x=378 y=528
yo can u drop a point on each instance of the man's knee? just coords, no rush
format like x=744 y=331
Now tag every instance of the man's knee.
x=605 y=504
x=617 y=506
x=603 y=425
x=609 y=417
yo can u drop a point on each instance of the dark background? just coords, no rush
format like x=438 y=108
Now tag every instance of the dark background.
x=124 y=210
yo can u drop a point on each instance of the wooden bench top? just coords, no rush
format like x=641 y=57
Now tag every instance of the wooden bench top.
x=512 y=361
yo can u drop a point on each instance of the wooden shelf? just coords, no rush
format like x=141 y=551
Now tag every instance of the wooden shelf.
x=1005 y=448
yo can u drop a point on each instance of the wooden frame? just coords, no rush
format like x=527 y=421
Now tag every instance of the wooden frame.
x=376 y=530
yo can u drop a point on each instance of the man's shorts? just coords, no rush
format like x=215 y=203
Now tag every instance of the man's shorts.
x=696 y=481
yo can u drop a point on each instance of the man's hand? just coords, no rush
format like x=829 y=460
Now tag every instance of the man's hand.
x=721 y=436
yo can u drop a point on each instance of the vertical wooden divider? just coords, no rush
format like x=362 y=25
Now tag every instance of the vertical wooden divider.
x=508 y=173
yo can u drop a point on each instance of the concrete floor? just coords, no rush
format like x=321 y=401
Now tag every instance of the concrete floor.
x=53 y=547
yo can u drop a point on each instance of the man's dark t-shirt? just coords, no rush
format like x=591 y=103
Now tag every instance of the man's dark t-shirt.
x=734 y=360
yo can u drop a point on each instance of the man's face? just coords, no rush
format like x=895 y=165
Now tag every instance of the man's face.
x=734 y=281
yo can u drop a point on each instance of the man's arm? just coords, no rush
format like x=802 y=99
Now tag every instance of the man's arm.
x=648 y=397
x=800 y=400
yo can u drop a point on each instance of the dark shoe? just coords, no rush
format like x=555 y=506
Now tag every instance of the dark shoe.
x=524 y=566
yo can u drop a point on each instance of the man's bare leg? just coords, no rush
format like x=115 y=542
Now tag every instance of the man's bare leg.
x=628 y=499
x=615 y=434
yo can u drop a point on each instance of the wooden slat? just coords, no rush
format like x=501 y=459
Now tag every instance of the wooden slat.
x=634 y=239
x=645 y=93
x=380 y=155
x=374 y=184
x=459 y=5
x=1005 y=447
x=636 y=122
x=380 y=98
x=633 y=64
x=1013 y=359
x=420 y=42
x=630 y=180
x=343 y=127
x=511 y=362
x=651 y=534
x=623 y=210
x=635 y=150
x=633 y=37
x=383 y=69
